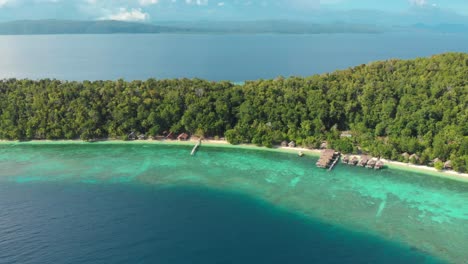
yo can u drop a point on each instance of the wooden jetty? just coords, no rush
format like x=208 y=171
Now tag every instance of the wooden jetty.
x=194 y=150
x=328 y=159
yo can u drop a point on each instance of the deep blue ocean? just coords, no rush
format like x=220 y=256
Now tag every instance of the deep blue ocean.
x=213 y=57
x=59 y=222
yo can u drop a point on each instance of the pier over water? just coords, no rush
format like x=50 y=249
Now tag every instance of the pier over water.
x=328 y=159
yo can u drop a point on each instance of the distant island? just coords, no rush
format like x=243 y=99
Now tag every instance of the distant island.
x=406 y=110
x=44 y=27
x=54 y=27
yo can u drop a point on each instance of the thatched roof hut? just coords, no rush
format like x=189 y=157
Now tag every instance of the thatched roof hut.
x=142 y=137
x=132 y=136
x=405 y=155
x=363 y=161
x=324 y=145
x=371 y=163
x=448 y=165
x=183 y=136
x=168 y=136
x=379 y=165
x=354 y=161
x=292 y=144
x=346 y=159
x=284 y=143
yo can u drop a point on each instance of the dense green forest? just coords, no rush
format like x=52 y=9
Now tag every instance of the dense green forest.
x=416 y=106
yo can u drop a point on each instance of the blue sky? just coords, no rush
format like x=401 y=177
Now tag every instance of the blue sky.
x=378 y=11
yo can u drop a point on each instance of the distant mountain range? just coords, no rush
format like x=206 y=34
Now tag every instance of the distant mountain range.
x=44 y=27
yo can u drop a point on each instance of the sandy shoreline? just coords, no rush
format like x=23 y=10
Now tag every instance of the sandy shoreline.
x=222 y=143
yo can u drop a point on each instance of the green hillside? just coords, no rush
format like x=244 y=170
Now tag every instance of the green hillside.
x=391 y=107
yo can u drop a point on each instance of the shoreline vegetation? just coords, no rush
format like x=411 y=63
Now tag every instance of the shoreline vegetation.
x=222 y=143
x=402 y=110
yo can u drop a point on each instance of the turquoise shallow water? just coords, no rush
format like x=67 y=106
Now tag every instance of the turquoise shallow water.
x=425 y=213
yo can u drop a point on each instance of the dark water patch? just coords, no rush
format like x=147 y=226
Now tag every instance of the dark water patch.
x=57 y=222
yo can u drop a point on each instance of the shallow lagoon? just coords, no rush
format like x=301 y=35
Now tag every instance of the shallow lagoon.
x=417 y=213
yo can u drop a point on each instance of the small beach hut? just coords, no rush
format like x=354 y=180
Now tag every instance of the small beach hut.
x=183 y=137
x=292 y=144
x=414 y=159
x=284 y=144
x=142 y=137
x=324 y=145
x=406 y=155
x=448 y=165
x=169 y=136
x=434 y=161
x=132 y=136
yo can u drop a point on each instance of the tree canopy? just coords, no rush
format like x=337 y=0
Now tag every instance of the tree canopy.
x=417 y=106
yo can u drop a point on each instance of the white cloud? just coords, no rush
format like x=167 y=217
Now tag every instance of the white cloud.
x=124 y=14
x=5 y=2
x=418 y=2
x=196 y=2
x=148 y=2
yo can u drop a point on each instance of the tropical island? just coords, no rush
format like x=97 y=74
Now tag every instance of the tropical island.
x=402 y=110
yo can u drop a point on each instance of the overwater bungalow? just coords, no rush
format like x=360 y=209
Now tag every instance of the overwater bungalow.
x=292 y=144
x=183 y=137
x=354 y=161
x=346 y=159
x=363 y=161
x=379 y=165
x=371 y=163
